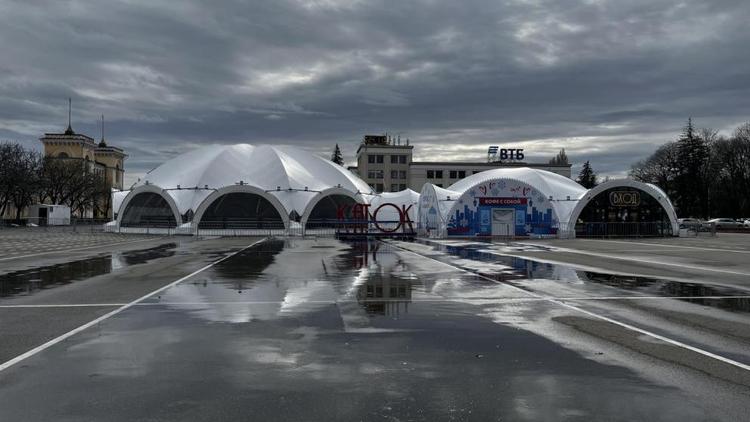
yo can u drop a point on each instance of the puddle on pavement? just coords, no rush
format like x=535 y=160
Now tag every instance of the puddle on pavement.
x=524 y=269
x=29 y=281
x=290 y=277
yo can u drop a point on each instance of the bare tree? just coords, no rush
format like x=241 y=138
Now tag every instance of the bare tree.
x=560 y=159
x=661 y=168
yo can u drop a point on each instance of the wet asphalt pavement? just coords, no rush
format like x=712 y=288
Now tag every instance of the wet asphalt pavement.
x=317 y=329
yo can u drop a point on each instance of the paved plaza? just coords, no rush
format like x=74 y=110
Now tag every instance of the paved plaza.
x=157 y=328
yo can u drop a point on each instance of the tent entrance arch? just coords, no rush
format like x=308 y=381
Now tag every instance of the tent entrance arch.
x=241 y=210
x=327 y=211
x=148 y=209
x=623 y=211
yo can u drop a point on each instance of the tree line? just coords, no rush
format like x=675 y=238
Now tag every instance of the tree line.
x=28 y=178
x=704 y=173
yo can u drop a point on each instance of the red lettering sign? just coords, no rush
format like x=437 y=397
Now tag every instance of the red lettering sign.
x=503 y=201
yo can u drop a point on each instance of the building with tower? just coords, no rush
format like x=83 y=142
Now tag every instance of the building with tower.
x=385 y=164
x=98 y=157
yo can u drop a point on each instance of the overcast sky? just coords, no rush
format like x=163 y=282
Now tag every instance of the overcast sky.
x=607 y=80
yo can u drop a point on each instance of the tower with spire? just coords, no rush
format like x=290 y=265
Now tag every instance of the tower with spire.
x=99 y=157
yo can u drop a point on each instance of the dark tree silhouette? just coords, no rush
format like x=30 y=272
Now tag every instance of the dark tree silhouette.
x=560 y=159
x=587 y=178
x=336 y=157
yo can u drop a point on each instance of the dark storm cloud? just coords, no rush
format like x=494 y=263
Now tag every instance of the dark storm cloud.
x=607 y=80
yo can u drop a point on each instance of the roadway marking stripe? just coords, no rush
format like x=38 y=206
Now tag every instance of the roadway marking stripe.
x=667 y=246
x=649 y=261
x=597 y=316
x=78 y=249
x=469 y=299
x=75 y=331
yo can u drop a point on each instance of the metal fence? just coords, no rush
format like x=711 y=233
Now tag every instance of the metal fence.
x=251 y=227
x=695 y=229
x=80 y=225
x=625 y=229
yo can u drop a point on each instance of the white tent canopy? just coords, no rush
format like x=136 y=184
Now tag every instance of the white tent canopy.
x=293 y=177
x=405 y=199
x=540 y=201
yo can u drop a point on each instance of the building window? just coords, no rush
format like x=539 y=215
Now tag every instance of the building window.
x=379 y=159
x=476 y=171
x=430 y=174
x=371 y=159
x=440 y=185
x=402 y=186
x=453 y=174
x=394 y=187
x=461 y=174
x=379 y=187
x=402 y=174
x=394 y=159
x=438 y=174
x=375 y=174
x=402 y=159
x=394 y=174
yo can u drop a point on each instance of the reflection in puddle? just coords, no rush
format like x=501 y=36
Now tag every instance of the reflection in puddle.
x=698 y=293
x=27 y=282
x=287 y=278
x=523 y=269
x=385 y=296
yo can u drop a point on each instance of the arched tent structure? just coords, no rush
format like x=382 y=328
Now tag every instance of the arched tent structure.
x=241 y=207
x=117 y=197
x=388 y=215
x=434 y=205
x=292 y=176
x=322 y=209
x=507 y=201
x=148 y=206
x=623 y=207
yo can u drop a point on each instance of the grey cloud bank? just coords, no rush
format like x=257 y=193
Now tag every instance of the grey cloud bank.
x=607 y=80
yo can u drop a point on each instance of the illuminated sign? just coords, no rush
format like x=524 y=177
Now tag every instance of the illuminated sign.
x=625 y=198
x=503 y=201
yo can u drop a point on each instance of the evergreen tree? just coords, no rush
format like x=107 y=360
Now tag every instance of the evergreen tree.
x=560 y=159
x=336 y=157
x=587 y=177
x=691 y=181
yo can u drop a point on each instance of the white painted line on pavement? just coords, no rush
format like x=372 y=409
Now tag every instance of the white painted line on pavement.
x=649 y=261
x=69 y=334
x=667 y=246
x=600 y=317
x=78 y=249
x=444 y=299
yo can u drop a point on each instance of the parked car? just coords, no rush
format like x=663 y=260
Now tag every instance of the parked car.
x=689 y=223
x=725 y=223
x=746 y=223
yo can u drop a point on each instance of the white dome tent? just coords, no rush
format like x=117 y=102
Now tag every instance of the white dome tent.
x=222 y=186
x=648 y=210
x=387 y=208
x=507 y=201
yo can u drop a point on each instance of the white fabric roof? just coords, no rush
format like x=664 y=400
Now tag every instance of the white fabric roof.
x=402 y=198
x=550 y=184
x=264 y=166
x=117 y=197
